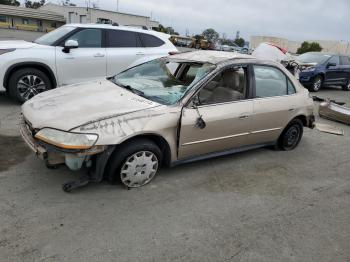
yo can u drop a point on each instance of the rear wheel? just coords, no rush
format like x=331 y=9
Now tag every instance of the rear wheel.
x=291 y=135
x=316 y=84
x=346 y=87
x=27 y=83
x=135 y=163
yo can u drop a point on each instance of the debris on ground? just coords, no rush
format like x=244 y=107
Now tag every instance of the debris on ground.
x=320 y=99
x=334 y=112
x=329 y=129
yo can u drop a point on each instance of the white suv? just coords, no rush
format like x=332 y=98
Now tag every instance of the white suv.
x=76 y=53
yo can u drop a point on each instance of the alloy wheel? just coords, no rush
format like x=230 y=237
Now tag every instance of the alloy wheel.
x=317 y=84
x=139 y=169
x=29 y=86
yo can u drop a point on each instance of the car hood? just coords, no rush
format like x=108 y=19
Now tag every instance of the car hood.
x=71 y=106
x=16 y=44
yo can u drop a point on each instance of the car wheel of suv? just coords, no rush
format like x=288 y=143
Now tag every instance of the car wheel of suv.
x=316 y=84
x=28 y=82
x=347 y=86
x=135 y=163
x=291 y=135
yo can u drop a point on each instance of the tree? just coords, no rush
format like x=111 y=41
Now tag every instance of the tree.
x=34 y=4
x=211 y=35
x=309 y=47
x=10 y=2
x=240 y=41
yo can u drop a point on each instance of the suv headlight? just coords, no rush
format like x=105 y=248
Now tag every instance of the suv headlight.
x=309 y=69
x=66 y=140
x=4 y=51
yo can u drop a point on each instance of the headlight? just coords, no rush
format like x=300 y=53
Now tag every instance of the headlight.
x=66 y=140
x=309 y=69
x=3 y=51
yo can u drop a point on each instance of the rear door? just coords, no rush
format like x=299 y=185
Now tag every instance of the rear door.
x=274 y=103
x=123 y=50
x=345 y=66
x=154 y=46
x=84 y=63
x=226 y=111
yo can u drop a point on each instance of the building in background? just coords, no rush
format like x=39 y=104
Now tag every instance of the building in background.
x=21 y=18
x=337 y=47
x=75 y=14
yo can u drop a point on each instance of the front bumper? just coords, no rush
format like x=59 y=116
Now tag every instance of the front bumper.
x=55 y=156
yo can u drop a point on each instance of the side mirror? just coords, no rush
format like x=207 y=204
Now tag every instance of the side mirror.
x=70 y=44
x=195 y=101
x=331 y=64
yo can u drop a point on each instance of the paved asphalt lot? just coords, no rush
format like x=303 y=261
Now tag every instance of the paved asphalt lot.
x=260 y=205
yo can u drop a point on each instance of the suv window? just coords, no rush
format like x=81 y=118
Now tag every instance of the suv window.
x=229 y=85
x=345 y=60
x=150 y=40
x=270 y=81
x=334 y=59
x=88 y=38
x=121 y=38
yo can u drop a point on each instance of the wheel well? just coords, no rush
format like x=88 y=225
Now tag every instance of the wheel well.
x=45 y=69
x=303 y=119
x=160 y=142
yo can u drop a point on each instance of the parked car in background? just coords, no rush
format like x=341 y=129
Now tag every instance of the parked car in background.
x=76 y=53
x=322 y=69
x=168 y=111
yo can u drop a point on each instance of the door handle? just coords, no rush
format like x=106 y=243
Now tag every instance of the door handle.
x=243 y=117
x=99 y=55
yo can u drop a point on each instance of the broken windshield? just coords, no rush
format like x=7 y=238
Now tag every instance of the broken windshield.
x=161 y=80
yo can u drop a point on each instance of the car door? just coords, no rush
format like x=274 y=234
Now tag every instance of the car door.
x=84 y=63
x=345 y=66
x=274 y=103
x=223 y=107
x=123 y=50
x=153 y=46
x=334 y=73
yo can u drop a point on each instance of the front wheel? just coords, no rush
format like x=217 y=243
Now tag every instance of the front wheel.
x=27 y=83
x=135 y=163
x=316 y=84
x=291 y=135
x=346 y=87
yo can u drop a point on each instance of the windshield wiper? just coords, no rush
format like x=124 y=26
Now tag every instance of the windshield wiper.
x=133 y=90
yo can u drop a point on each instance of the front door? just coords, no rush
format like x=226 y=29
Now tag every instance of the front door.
x=87 y=62
x=223 y=106
x=334 y=73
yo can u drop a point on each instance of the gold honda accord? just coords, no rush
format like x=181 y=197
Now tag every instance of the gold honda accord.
x=173 y=110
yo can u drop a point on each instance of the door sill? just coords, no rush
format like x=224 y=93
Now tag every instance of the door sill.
x=220 y=153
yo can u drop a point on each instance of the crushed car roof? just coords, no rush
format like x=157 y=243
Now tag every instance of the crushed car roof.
x=212 y=57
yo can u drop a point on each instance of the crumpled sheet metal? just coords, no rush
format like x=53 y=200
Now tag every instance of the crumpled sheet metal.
x=334 y=112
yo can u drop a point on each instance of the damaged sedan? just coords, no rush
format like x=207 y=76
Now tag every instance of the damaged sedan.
x=173 y=110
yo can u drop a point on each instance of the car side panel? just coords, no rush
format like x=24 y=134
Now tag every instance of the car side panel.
x=227 y=126
x=40 y=55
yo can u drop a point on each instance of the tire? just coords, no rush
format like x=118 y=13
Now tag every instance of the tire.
x=291 y=135
x=125 y=168
x=317 y=84
x=346 y=87
x=27 y=82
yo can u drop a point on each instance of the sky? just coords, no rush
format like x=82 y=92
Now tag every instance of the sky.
x=291 y=19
